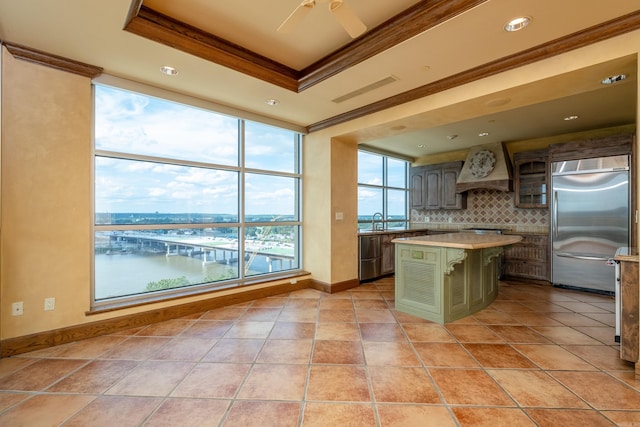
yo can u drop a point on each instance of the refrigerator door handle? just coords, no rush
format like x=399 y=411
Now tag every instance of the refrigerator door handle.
x=555 y=213
x=585 y=257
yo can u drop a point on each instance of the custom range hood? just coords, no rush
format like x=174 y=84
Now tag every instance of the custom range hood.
x=487 y=166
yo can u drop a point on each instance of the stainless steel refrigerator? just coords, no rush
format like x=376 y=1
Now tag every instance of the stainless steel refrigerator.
x=590 y=219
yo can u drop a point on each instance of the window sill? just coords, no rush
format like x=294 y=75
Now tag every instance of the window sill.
x=154 y=298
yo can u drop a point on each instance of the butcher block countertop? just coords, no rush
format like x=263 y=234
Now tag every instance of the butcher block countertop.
x=461 y=240
x=627 y=254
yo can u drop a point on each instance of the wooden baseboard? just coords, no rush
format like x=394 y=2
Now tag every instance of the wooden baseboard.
x=38 y=341
x=525 y=280
x=335 y=287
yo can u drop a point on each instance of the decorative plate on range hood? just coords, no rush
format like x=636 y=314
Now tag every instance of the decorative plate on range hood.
x=487 y=166
x=483 y=163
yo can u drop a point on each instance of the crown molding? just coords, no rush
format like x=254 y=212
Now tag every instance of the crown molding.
x=150 y=24
x=53 y=61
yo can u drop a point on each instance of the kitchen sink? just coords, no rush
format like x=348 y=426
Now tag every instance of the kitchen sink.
x=482 y=230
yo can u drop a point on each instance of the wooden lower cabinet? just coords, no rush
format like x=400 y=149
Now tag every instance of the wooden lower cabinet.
x=528 y=259
x=629 y=325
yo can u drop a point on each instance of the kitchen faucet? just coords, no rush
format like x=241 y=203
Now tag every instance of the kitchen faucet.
x=377 y=225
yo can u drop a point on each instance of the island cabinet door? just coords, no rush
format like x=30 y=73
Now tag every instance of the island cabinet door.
x=418 y=281
x=472 y=284
x=490 y=273
x=457 y=298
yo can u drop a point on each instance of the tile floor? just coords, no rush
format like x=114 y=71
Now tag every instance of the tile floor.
x=536 y=356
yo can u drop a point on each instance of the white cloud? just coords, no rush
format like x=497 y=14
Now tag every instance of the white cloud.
x=130 y=123
x=364 y=194
x=374 y=181
x=157 y=192
x=139 y=166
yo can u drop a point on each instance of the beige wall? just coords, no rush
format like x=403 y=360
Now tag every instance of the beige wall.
x=330 y=188
x=46 y=152
x=316 y=207
x=344 y=191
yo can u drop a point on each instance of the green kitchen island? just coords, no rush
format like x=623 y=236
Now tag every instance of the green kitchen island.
x=445 y=277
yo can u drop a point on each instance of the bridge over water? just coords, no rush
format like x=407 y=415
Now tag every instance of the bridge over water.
x=209 y=249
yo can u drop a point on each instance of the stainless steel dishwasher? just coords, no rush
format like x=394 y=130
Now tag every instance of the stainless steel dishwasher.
x=370 y=257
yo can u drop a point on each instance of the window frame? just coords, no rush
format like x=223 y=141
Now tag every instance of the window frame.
x=364 y=224
x=124 y=301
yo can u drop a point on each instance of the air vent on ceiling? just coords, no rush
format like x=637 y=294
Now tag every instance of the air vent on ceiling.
x=365 y=89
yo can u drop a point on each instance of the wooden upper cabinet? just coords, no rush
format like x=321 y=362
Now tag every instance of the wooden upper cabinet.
x=434 y=187
x=417 y=187
x=451 y=199
x=531 y=179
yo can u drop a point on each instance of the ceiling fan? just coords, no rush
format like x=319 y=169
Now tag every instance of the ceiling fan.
x=340 y=10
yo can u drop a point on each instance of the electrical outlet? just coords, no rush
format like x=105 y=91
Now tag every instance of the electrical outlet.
x=17 y=308
x=49 y=304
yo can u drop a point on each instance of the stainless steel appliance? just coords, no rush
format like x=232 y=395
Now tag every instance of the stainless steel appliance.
x=370 y=257
x=590 y=219
x=479 y=230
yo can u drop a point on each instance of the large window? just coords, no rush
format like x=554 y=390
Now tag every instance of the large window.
x=189 y=199
x=382 y=189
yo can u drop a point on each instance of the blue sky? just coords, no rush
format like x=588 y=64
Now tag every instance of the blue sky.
x=370 y=171
x=132 y=123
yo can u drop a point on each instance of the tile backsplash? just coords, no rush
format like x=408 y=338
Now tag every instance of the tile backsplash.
x=485 y=208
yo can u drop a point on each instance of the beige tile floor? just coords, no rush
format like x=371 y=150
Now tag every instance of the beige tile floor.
x=536 y=356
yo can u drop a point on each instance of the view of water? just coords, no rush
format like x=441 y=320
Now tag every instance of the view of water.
x=128 y=261
x=129 y=273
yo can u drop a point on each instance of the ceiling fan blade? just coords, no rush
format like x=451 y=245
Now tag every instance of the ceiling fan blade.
x=347 y=18
x=296 y=16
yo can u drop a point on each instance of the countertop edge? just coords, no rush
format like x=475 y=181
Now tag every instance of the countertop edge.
x=627 y=254
x=441 y=231
x=461 y=240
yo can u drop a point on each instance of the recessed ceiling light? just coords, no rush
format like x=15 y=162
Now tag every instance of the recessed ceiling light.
x=569 y=118
x=272 y=102
x=169 y=71
x=613 y=79
x=517 y=24
x=483 y=134
x=497 y=102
